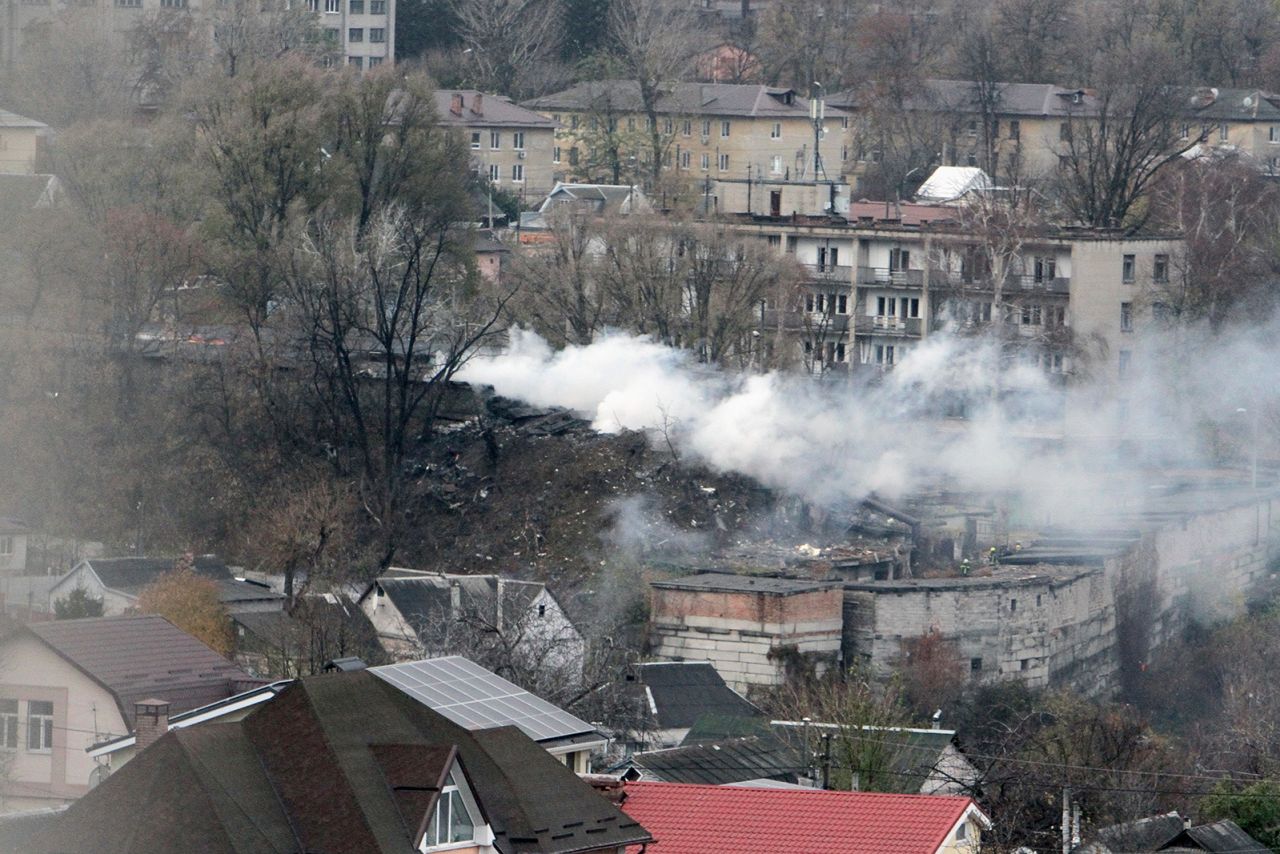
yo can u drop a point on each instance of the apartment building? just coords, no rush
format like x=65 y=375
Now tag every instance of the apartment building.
x=511 y=145
x=361 y=31
x=882 y=278
x=709 y=132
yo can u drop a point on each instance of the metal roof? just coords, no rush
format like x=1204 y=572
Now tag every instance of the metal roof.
x=475 y=698
x=734 y=583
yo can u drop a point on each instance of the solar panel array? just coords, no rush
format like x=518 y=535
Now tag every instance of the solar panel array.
x=472 y=697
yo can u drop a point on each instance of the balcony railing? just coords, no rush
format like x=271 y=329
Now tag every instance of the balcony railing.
x=829 y=272
x=1044 y=284
x=897 y=326
x=894 y=278
x=806 y=320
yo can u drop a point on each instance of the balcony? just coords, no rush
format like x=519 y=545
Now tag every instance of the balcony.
x=793 y=321
x=829 y=273
x=947 y=279
x=906 y=327
x=890 y=278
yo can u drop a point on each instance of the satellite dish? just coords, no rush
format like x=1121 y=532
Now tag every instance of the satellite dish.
x=99 y=773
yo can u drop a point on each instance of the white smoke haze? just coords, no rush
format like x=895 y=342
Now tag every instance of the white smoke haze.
x=835 y=441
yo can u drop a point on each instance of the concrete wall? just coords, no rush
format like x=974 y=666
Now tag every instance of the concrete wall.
x=737 y=632
x=1057 y=627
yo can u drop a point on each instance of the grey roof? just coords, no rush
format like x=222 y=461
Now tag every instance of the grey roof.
x=684 y=691
x=10 y=525
x=695 y=99
x=1234 y=104
x=495 y=111
x=961 y=96
x=476 y=698
x=1224 y=837
x=728 y=582
x=342 y=762
x=13 y=120
x=130 y=575
x=1144 y=834
x=144 y=656
x=421 y=597
x=724 y=762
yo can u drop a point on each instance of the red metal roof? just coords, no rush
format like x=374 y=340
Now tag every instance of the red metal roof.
x=708 y=819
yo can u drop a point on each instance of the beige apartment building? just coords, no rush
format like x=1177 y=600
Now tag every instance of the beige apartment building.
x=709 y=132
x=362 y=31
x=21 y=142
x=513 y=146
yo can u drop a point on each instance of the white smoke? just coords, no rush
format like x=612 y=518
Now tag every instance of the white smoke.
x=836 y=441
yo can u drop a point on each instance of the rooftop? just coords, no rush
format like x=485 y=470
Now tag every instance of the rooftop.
x=144 y=656
x=679 y=693
x=687 y=819
x=720 y=763
x=476 y=698
x=724 y=582
x=694 y=99
x=485 y=110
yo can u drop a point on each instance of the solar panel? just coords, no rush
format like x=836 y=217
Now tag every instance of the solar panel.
x=475 y=698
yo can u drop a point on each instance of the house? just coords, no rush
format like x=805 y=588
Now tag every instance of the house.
x=679 y=694
x=68 y=684
x=118 y=581
x=475 y=698
x=722 y=763
x=300 y=641
x=13 y=546
x=741 y=622
x=1222 y=837
x=427 y=613
x=686 y=819
x=22 y=142
x=707 y=131
x=511 y=146
x=1171 y=832
x=343 y=762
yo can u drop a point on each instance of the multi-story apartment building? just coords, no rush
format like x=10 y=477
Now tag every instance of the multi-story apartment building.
x=511 y=145
x=1018 y=131
x=708 y=132
x=882 y=278
x=361 y=31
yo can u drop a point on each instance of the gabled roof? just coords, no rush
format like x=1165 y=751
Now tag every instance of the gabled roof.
x=129 y=575
x=723 y=762
x=421 y=597
x=475 y=698
x=13 y=120
x=341 y=762
x=494 y=111
x=1223 y=837
x=1040 y=100
x=694 y=99
x=144 y=656
x=698 y=819
x=683 y=691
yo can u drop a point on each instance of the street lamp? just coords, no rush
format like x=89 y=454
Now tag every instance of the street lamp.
x=1253 y=442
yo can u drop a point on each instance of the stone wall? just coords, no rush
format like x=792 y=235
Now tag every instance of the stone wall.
x=742 y=633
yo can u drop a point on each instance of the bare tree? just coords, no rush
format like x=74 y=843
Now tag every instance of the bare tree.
x=804 y=42
x=560 y=293
x=656 y=41
x=505 y=38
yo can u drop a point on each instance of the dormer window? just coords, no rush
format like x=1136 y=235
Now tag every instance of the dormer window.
x=454 y=822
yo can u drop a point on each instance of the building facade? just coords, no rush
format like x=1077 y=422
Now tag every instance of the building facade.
x=510 y=146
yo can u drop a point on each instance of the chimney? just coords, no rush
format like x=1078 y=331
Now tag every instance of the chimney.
x=455 y=599
x=456 y=106
x=477 y=104
x=151 y=721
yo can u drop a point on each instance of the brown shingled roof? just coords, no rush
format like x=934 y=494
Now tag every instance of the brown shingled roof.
x=144 y=656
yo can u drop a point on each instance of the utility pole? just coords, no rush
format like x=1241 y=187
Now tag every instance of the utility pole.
x=1066 y=820
x=826 y=760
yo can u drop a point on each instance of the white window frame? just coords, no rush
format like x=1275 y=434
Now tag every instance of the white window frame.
x=475 y=140
x=517 y=173
x=775 y=164
x=495 y=140
x=776 y=131
x=40 y=725
x=517 y=140
x=555 y=154
x=495 y=173
x=377 y=35
x=9 y=724
x=706 y=162
x=722 y=163
x=724 y=129
x=332 y=7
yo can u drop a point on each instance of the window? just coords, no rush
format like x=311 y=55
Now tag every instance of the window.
x=962 y=831
x=39 y=726
x=8 y=724
x=517 y=140
x=573 y=122
x=1126 y=317
x=555 y=154
x=495 y=140
x=355 y=34
x=1064 y=132
x=1223 y=131
x=173 y=4
x=377 y=35
x=331 y=35
x=686 y=159
x=668 y=126
x=972 y=128
x=842 y=305
x=331 y=6
x=776 y=131
x=1273 y=134
x=1160 y=269
x=1186 y=131
x=706 y=127
x=706 y=162
x=1044 y=269
x=356 y=7
x=137 y=4
x=517 y=173
x=451 y=822
x=494 y=175
x=355 y=61
x=686 y=127
x=1128 y=268
x=724 y=129
x=1013 y=605
x=775 y=164
x=1055 y=316
x=375 y=61
x=975 y=665
x=971 y=159
x=573 y=156
x=724 y=163
x=377 y=7
x=1122 y=367
x=1031 y=315
x=475 y=139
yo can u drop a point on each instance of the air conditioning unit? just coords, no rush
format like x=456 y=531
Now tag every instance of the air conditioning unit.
x=520 y=154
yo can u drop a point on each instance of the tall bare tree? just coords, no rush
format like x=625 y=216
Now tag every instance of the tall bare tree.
x=505 y=38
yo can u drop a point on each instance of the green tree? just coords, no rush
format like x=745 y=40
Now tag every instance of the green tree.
x=76 y=605
x=1256 y=808
x=190 y=601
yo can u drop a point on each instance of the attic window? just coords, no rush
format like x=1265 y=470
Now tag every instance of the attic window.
x=542 y=610
x=452 y=822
